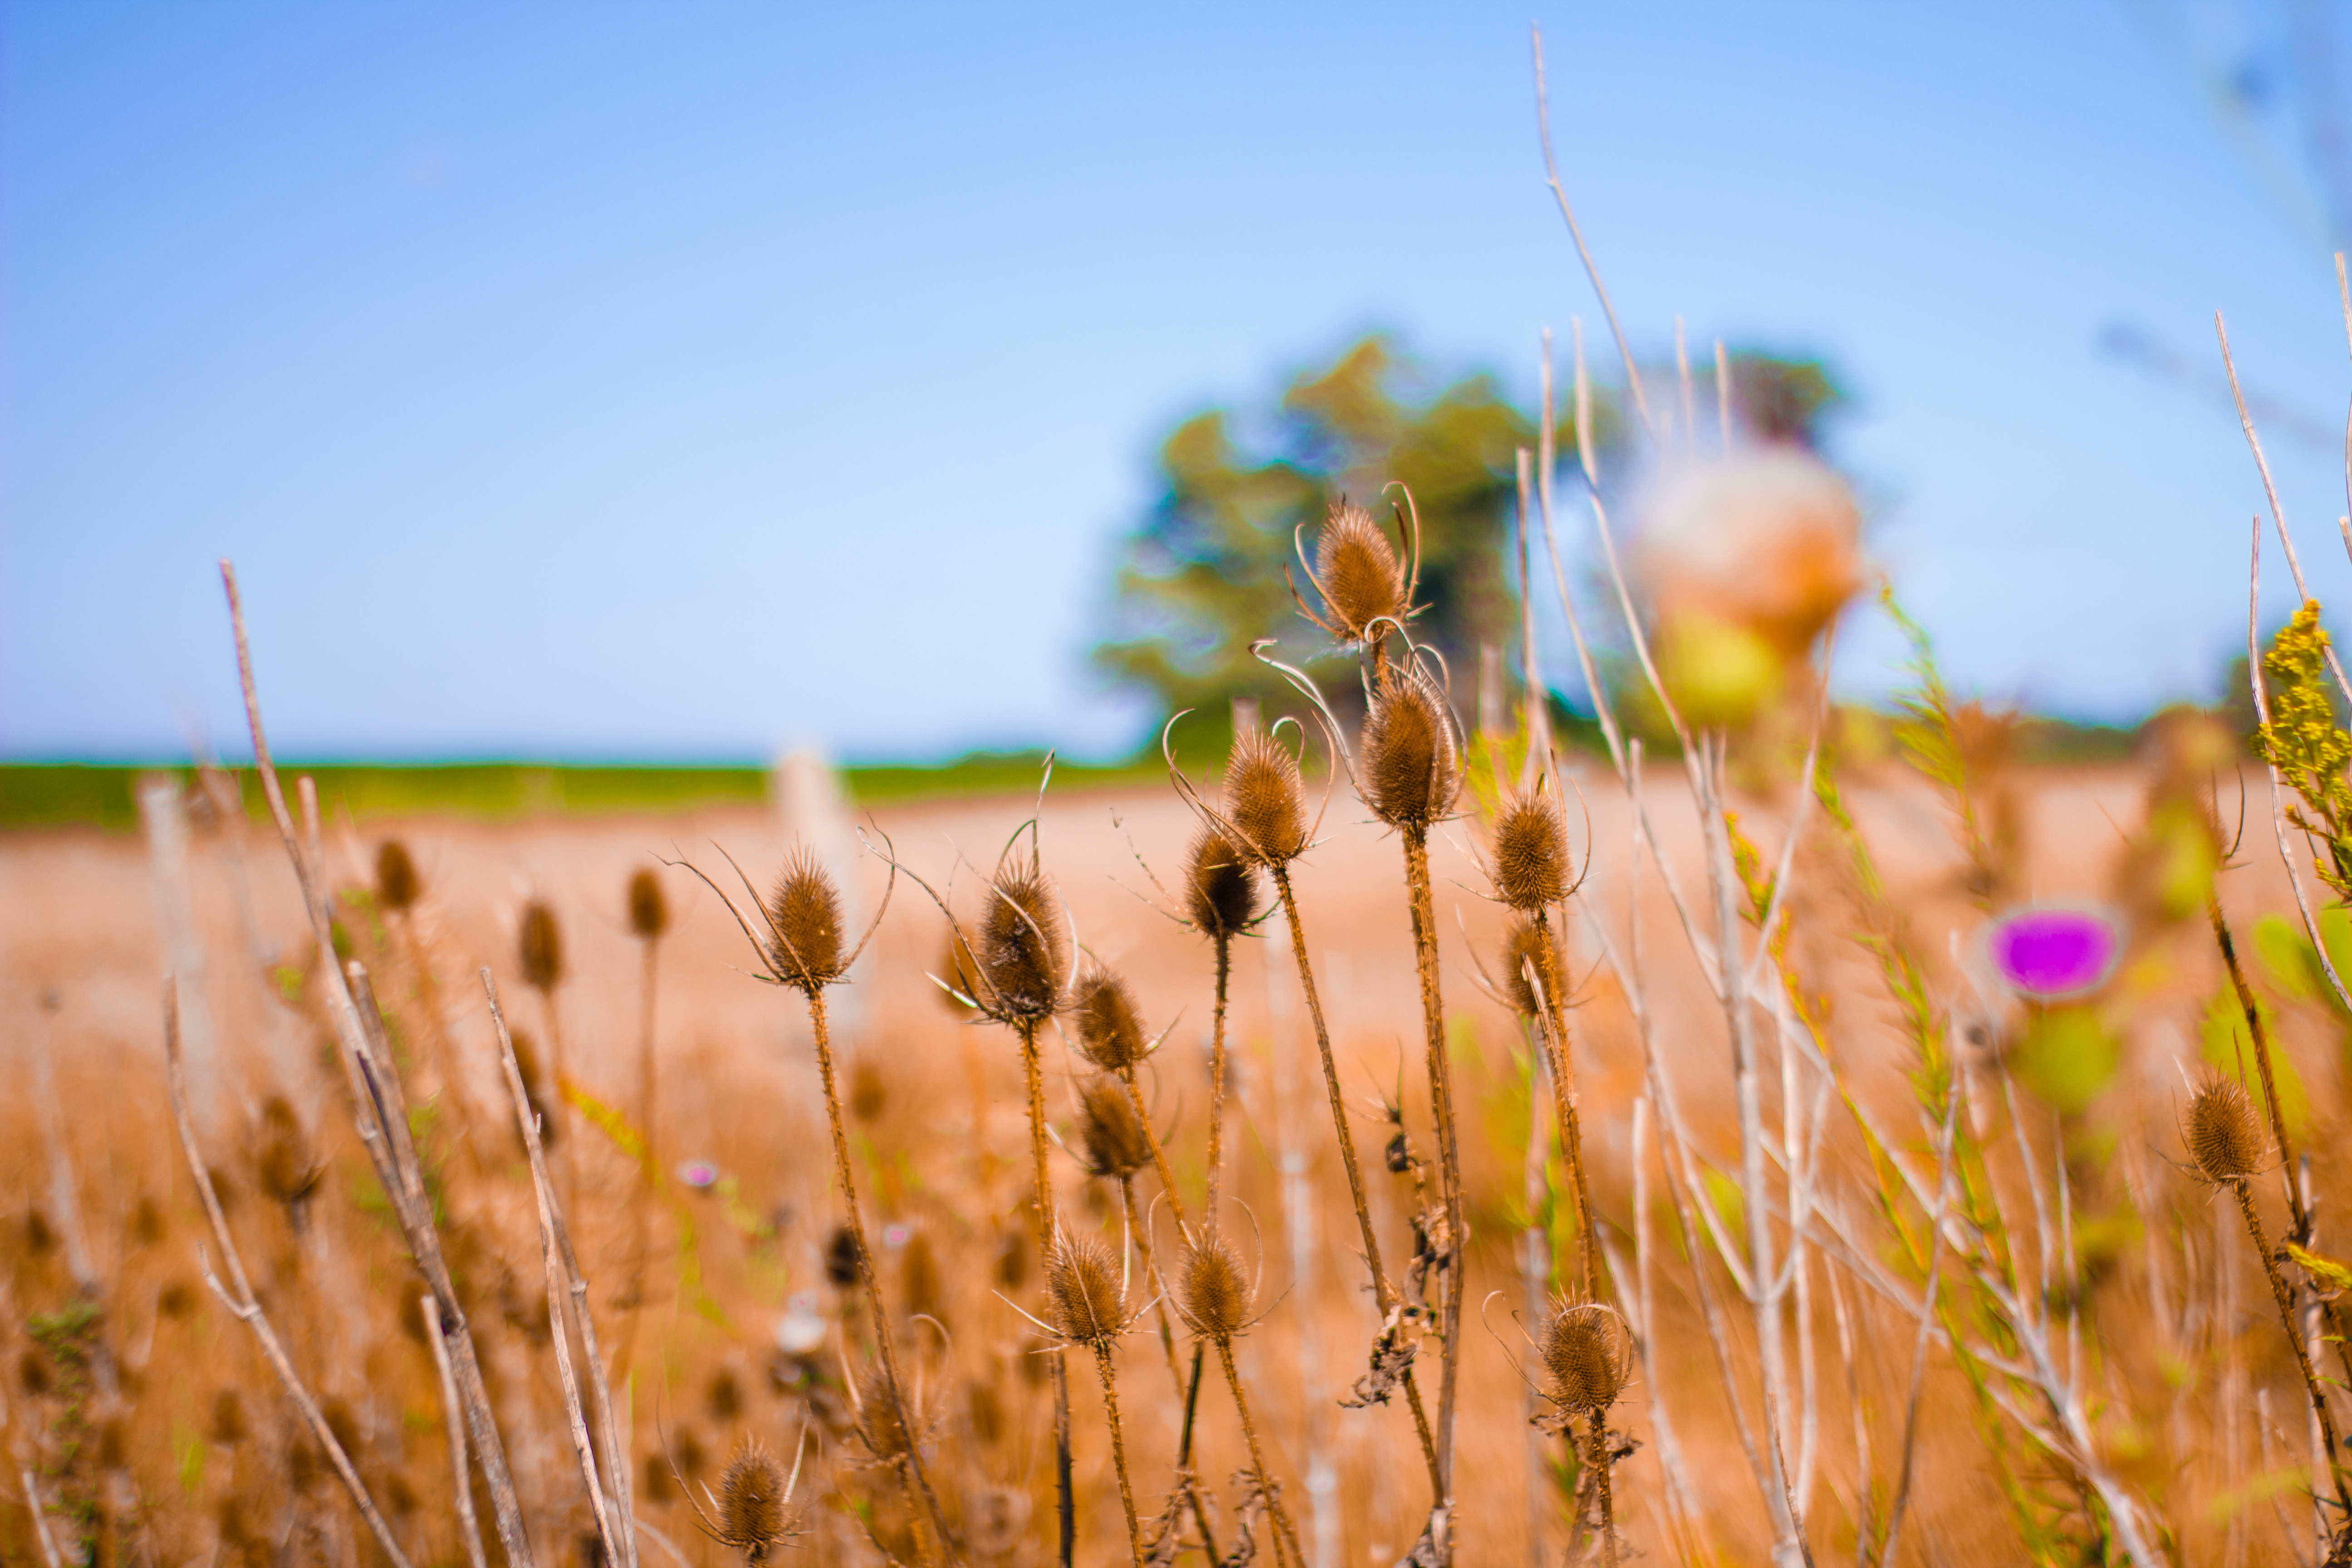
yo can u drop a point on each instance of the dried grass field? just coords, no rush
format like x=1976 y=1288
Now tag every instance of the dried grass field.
x=728 y=1311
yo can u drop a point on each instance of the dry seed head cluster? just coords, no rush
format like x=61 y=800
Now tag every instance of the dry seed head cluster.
x=1084 y=1301
x=1523 y=947
x=2224 y=1137
x=1022 y=951
x=1587 y=1355
x=648 y=911
x=753 y=1513
x=1265 y=800
x=805 y=947
x=1212 y=1290
x=1220 y=888
x=1111 y=1138
x=1531 y=850
x=879 y=1427
x=539 y=946
x=1410 y=767
x=1361 y=578
x=1110 y=1026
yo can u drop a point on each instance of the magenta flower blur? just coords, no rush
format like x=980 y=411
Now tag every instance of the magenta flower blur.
x=2052 y=952
x=699 y=1175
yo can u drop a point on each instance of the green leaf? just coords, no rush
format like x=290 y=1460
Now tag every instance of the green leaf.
x=2068 y=1058
x=2326 y=1271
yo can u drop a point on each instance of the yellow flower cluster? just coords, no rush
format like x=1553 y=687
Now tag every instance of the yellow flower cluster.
x=2303 y=742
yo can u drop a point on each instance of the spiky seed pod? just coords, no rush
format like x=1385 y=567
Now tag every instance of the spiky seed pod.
x=1111 y=1140
x=1531 y=850
x=648 y=911
x=2224 y=1135
x=1523 y=945
x=229 y=1427
x=879 y=1427
x=1361 y=577
x=1265 y=800
x=1110 y=1026
x=804 y=941
x=1084 y=1301
x=870 y=1094
x=1588 y=1355
x=539 y=946
x=754 y=1516
x=396 y=882
x=1022 y=951
x=1220 y=889
x=284 y=1160
x=1212 y=1290
x=1412 y=767
x=842 y=1257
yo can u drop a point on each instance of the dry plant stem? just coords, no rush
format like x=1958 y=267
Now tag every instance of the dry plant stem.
x=1041 y=1172
x=820 y=1026
x=50 y=1553
x=386 y=1140
x=617 y=1541
x=1599 y=1463
x=1217 y=1082
x=1885 y=1555
x=242 y=1304
x=1552 y=994
x=1152 y=1141
x=1449 y=1152
x=2244 y=1193
x=648 y=1168
x=1135 y=1228
x=1119 y=1451
x=1560 y=195
x=1065 y=1493
x=1281 y=1525
x=469 y=1528
x=1383 y=1291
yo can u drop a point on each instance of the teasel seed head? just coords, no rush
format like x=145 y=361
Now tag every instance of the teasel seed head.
x=1110 y=1026
x=1409 y=764
x=1523 y=945
x=805 y=948
x=1361 y=578
x=1111 y=1140
x=1023 y=948
x=1220 y=888
x=754 y=1515
x=284 y=1164
x=1213 y=1289
x=1531 y=850
x=1589 y=1355
x=396 y=882
x=2224 y=1136
x=869 y=1093
x=1265 y=800
x=842 y=1259
x=1085 y=1301
x=648 y=911
x=539 y=946
x=879 y=1427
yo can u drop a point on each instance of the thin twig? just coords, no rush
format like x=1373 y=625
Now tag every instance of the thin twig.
x=1560 y=195
x=469 y=1528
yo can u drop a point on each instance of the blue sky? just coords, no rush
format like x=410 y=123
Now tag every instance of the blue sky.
x=689 y=380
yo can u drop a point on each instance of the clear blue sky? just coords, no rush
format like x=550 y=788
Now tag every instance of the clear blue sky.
x=684 y=380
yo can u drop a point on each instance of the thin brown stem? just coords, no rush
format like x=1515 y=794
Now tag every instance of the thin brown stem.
x=1118 y=1451
x=1449 y=1153
x=469 y=1528
x=1283 y=1527
x=1599 y=1463
x=1554 y=1030
x=1176 y=1373
x=2244 y=1191
x=843 y=1174
x=649 y=1167
x=1041 y=1172
x=1152 y=1141
x=1384 y=1291
x=1217 y=1083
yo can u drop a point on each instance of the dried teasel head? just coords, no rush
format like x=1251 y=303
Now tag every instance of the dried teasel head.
x=539 y=946
x=1111 y=1140
x=1530 y=865
x=1110 y=1026
x=1357 y=568
x=1588 y=1354
x=804 y=947
x=1410 y=761
x=1023 y=948
x=1265 y=800
x=396 y=882
x=1213 y=1291
x=648 y=911
x=1523 y=945
x=284 y=1163
x=1086 y=1300
x=754 y=1507
x=2224 y=1135
x=878 y=1425
x=1220 y=888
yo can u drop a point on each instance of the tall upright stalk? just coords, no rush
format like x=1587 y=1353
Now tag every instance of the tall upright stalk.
x=1224 y=946
x=1449 y=1153
x=1554 y=1031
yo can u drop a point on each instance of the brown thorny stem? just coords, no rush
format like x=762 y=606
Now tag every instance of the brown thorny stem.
x=1599 y=1462
x=2261 y=1038
x=1167 y=1346
x=1553 y=1026
x=841 y=1170
x=1041 y=1172
x=2245 y=1195
x=1118 y=1451
x=1217 y=1081
x=1383 y=1291
x=1449 y=1154
x=1287 y=1532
